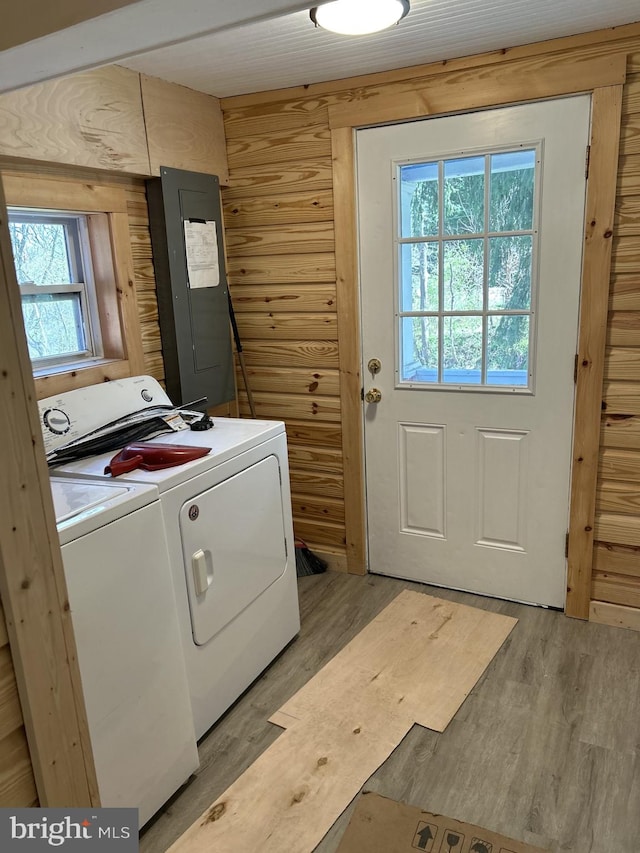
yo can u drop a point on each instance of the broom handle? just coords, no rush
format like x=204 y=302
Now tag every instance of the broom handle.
x=243 y=367
x=246 y=383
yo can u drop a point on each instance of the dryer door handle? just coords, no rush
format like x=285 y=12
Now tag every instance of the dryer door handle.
x=202 y=567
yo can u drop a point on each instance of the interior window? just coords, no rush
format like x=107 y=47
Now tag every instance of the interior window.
x=467 y=238
x=54 y=270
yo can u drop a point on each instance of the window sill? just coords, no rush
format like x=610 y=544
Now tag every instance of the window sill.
x=73 y=366
x=56 y=380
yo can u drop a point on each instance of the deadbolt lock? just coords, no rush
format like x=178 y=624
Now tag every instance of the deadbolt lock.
x=373 y=395
x=374 y=365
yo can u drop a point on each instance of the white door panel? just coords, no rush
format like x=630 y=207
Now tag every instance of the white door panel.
x=470 y=488
x=422 y=479
x=502 y=476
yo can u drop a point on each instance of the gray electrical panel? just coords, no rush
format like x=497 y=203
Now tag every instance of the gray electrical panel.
x=193 y=309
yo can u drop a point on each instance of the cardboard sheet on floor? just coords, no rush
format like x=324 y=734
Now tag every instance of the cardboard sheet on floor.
x=421 y=654
x=414 y=663
x=381 y=825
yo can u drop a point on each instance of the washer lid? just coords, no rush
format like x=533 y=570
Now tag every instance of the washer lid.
x=73 y=497
x=82 y=506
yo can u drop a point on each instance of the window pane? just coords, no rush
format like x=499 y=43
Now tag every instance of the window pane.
x=419 y=200
x=419 y=277
x=462 y=350
x=463 y=274
x=512 y=187
x=53 y=325
x=419 y=349
x=40 y=252
x=508 y=350
x=452 y=268
x=510 y=261
x=464 y=196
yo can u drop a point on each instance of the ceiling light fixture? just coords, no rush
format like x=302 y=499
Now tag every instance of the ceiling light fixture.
x=359 y=17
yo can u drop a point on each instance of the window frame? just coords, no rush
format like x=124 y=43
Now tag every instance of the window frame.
x=484 y=313
x=81 y=267
x=105 y=208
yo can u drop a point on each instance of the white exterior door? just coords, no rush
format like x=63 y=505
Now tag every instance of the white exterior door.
x=471 y=232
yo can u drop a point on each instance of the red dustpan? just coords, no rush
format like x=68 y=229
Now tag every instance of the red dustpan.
x=152 y=457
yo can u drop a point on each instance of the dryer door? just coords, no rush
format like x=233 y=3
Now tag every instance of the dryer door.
x=233 y=541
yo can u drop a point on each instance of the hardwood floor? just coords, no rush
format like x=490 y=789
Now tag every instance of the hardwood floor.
x=545 y=749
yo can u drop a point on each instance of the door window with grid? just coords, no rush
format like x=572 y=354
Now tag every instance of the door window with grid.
x=467 y=245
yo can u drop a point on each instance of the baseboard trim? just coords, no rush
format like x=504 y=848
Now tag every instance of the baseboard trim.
x=616 y=615
x=337 y=561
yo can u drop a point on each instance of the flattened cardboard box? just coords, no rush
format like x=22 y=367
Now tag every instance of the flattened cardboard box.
x=381 y=825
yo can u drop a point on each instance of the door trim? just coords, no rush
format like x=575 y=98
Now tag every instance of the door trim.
x=604 y=81
x=606 y=114
x=517 y=82
x=348 y=302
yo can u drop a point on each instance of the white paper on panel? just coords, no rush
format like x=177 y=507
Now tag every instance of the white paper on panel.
x=201 y=248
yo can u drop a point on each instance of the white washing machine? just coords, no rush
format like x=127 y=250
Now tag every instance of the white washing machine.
x=123 y=611
x=227 y=518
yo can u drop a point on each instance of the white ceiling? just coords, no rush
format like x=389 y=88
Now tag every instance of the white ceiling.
x=127 y=31
x=289 y=51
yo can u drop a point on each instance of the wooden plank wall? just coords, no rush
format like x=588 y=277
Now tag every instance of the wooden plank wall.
x=17 y=785
x=616 y=575
x=145 y=282
x=280 y=230
x=149 y=123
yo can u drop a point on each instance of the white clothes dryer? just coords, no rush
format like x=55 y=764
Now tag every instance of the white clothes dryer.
x=227 y=518
x=124 y=618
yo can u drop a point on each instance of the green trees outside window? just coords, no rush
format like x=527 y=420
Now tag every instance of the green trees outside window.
x=467 y=236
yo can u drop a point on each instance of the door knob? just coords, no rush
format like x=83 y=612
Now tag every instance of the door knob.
x=373 y=395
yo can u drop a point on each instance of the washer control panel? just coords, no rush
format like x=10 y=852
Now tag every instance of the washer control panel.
x=76 y=414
